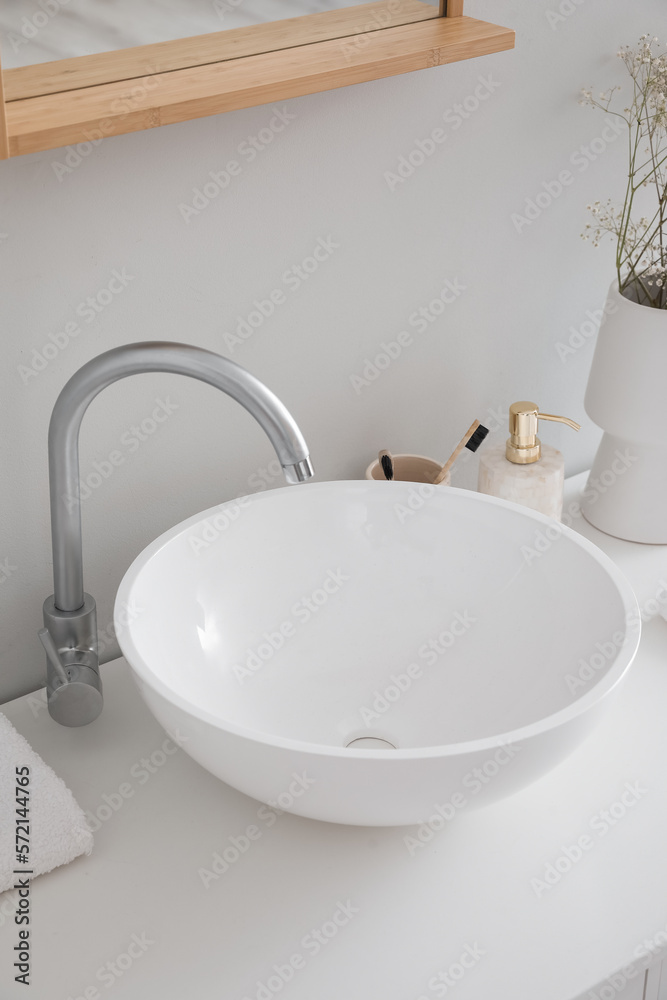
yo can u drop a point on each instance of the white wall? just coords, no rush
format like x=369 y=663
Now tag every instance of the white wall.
x=64 y=233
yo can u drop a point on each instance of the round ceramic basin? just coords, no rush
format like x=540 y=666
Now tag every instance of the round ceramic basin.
x=376 y=653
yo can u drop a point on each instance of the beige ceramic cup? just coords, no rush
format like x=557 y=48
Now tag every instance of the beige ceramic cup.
x=409 y=469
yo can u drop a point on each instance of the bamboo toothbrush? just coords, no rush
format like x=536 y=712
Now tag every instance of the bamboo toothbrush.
x=386 y=463
x=472 y=439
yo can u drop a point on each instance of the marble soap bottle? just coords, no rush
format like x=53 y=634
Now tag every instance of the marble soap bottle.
x=523 y=470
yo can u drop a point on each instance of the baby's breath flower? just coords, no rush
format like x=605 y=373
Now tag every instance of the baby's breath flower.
x=641 y=244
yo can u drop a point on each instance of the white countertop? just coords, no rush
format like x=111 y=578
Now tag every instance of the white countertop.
x=470 y=888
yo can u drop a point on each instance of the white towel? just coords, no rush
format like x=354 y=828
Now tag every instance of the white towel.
x=57 y=826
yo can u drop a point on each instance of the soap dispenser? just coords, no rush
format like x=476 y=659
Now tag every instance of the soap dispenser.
x=523 y=470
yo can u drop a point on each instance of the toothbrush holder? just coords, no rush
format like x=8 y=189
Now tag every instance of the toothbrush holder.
x=409 y=469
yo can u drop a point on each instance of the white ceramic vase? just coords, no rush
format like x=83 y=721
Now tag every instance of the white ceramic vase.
x=626 y=492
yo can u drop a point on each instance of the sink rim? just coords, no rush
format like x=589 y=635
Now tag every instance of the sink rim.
x=599 y=690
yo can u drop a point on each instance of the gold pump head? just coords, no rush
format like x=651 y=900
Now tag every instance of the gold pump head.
x=523 y=445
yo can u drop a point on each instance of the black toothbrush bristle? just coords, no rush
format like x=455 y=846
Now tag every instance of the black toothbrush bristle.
x=387 y=467
x=477 y=438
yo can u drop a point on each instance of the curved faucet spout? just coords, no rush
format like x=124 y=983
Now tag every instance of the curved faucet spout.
x=135 y=359
x=67 y=614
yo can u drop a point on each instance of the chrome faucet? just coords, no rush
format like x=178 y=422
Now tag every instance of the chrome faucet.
x=69 y=636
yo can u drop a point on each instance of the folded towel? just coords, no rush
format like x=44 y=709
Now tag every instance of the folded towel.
x=57 y=831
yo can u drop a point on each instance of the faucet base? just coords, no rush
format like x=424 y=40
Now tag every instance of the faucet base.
x=77 y=701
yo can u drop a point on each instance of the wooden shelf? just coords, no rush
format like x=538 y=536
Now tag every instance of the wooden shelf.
x=53 y=119
x=214 y=47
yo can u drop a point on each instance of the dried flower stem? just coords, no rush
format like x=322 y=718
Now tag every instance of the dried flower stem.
x=641 y=249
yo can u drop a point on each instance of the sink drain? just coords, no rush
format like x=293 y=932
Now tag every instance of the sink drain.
x=370 y=743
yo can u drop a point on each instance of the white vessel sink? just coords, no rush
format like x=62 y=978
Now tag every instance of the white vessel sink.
x=470 y=643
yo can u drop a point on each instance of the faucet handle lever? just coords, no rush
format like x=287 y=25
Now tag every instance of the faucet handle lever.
x=52 y=654
x=73 y=685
